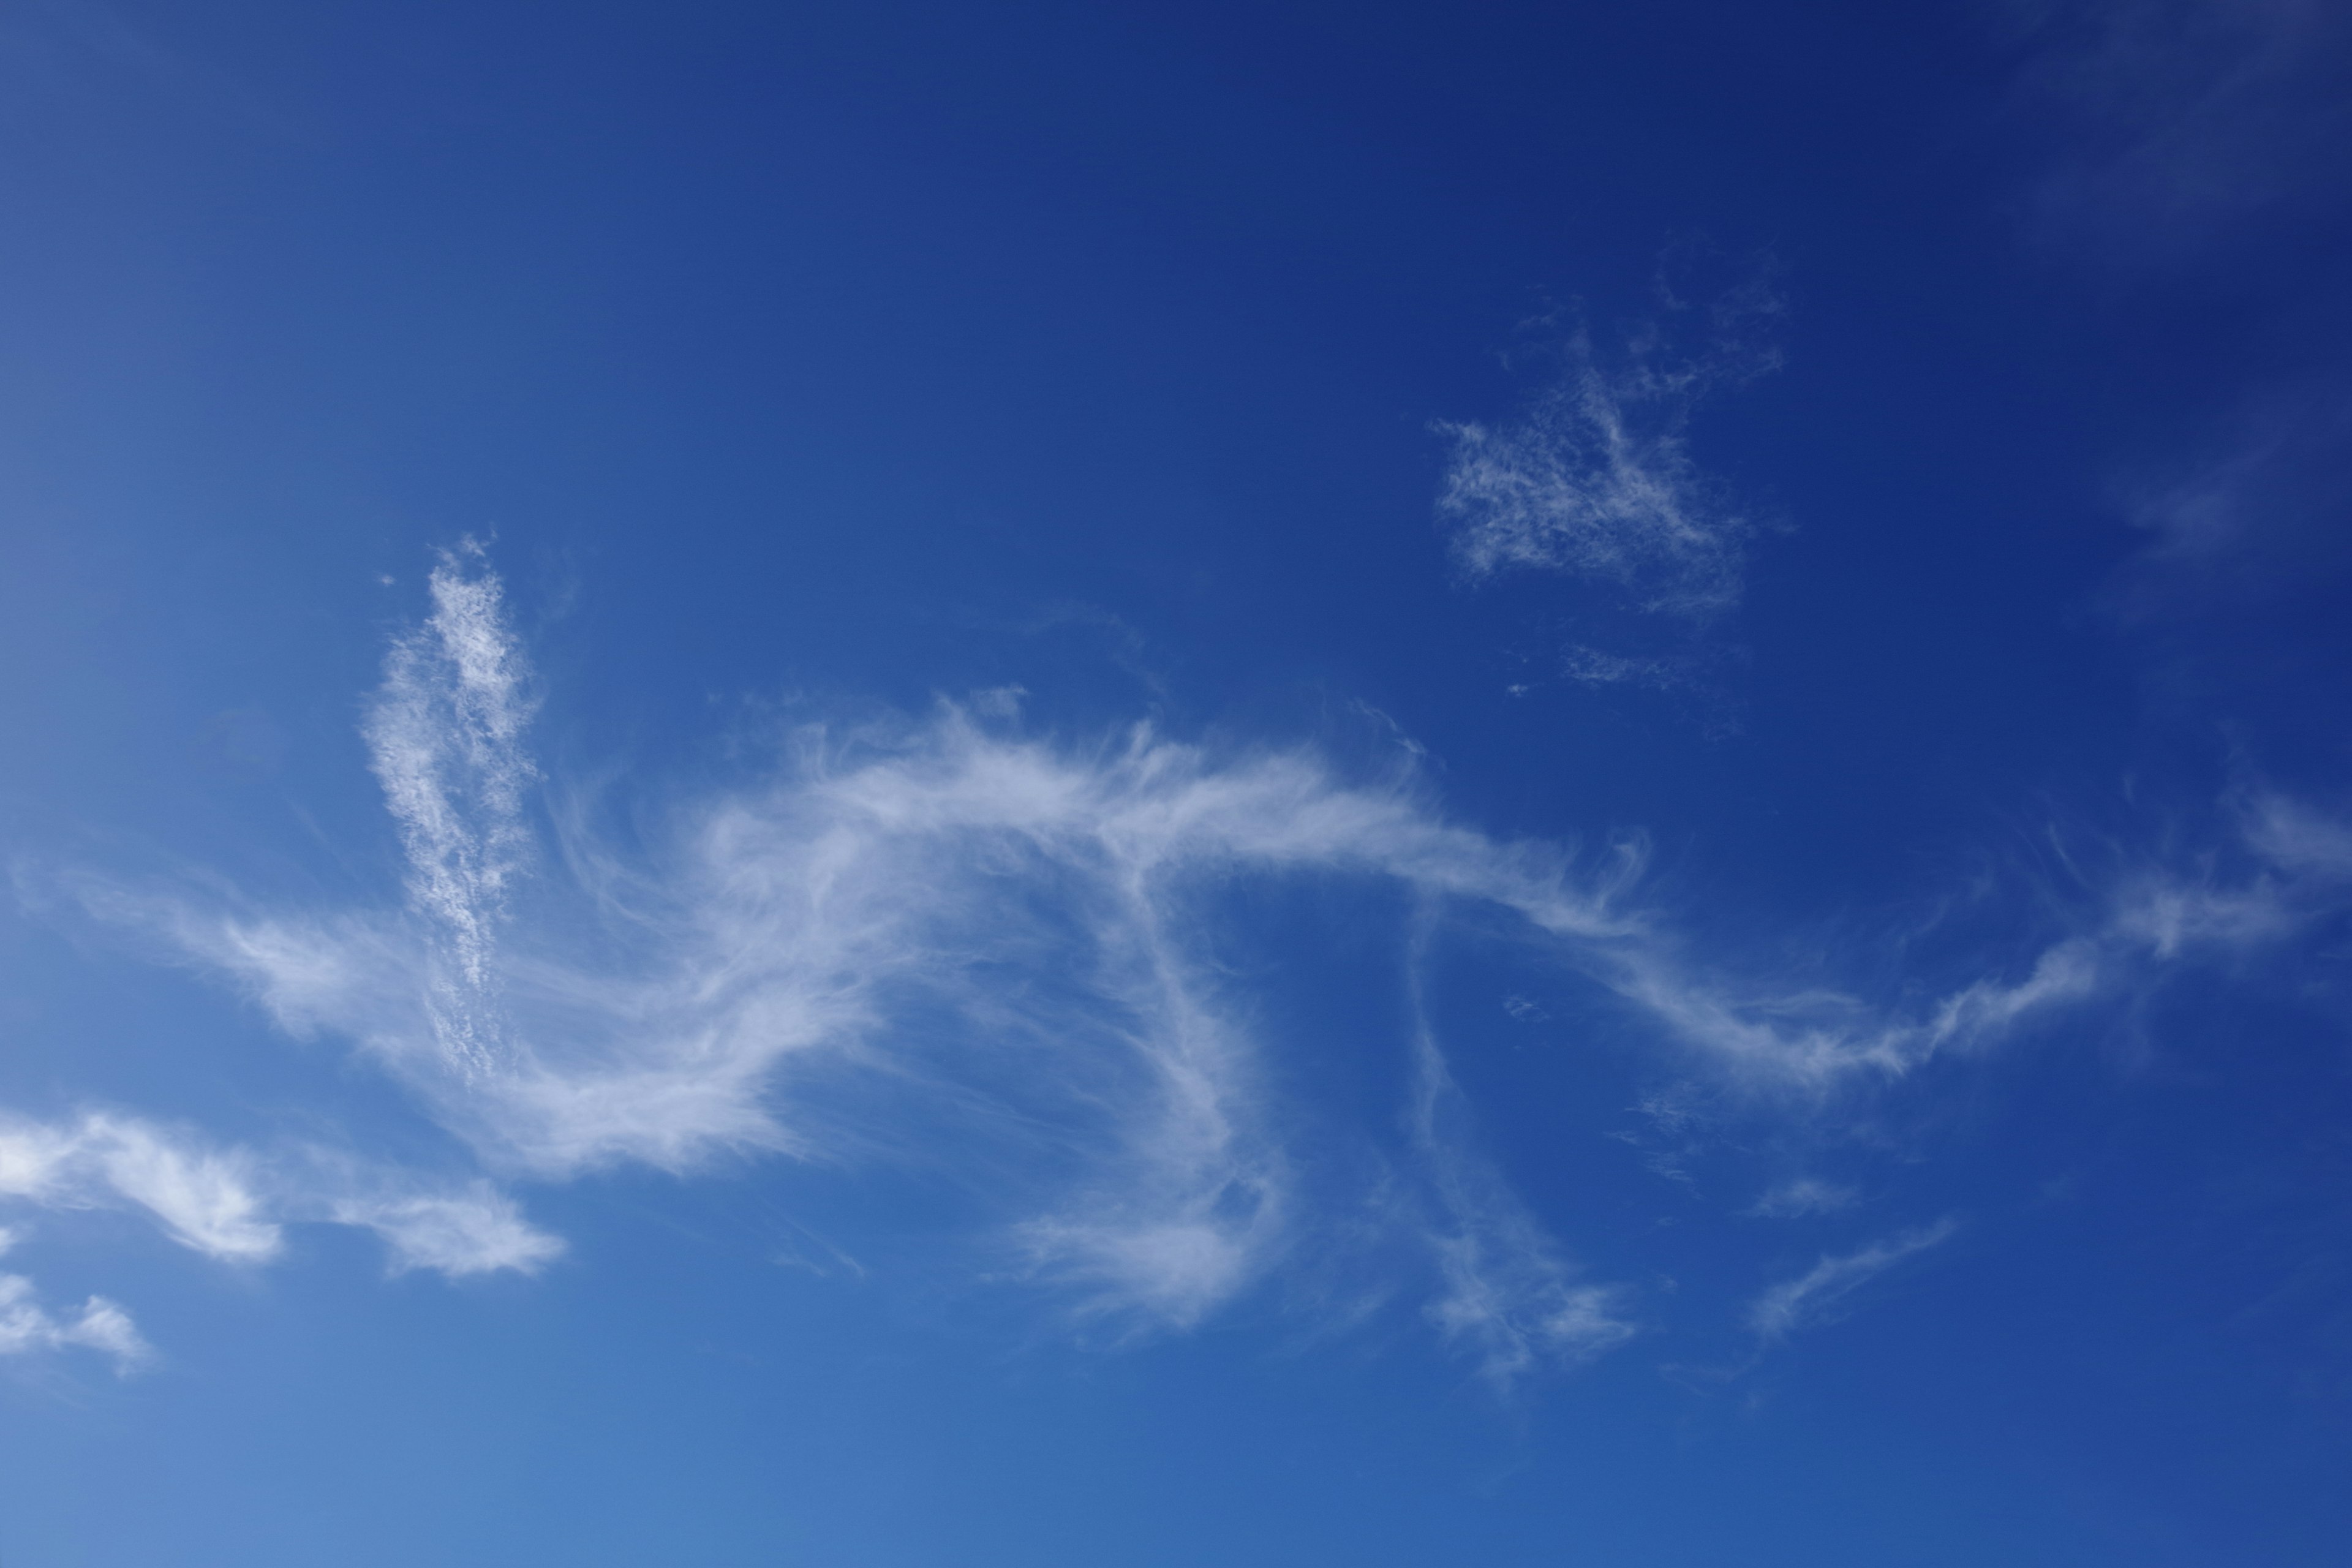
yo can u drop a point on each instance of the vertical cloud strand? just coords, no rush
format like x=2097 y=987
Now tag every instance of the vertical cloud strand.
x=445 y=732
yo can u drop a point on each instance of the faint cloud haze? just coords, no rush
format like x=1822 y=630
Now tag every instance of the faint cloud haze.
x=1819 y=1293
x=1802 y=1196
x=2179 y=121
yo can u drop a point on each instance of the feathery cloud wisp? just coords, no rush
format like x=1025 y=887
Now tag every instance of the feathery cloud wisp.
x=1594 y=479
x=204 y=1198
x=477 y=1230
x=232 y=1203
x=948 y=945
x=1508 y=1290
x=445 y=734
x=1807 y=1299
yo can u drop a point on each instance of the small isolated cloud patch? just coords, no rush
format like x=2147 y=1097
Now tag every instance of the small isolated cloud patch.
x=476 y=1231
x=1802 y=1196
x=1594 y=478
x=99 y=1325
x=1816 y=1295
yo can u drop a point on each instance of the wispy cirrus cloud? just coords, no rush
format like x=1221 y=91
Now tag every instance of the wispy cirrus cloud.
x=473 y=1228
x=2311 y=848
x=1594 y=478
x=232 y=1203
x=445 y=735
x=2250 y=517
x=944 y=943
x=27 y=1326
x=1508 y=1290
x=908 y=922
x=921 y=917
x=1819 y=1292
x=204 y=1198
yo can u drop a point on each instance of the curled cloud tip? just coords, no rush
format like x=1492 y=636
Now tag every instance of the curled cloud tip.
x=204 y=1198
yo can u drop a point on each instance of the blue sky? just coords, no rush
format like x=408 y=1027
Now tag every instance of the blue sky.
x=1172 y=786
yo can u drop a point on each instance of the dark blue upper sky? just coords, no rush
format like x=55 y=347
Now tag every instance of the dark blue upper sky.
x=1037 y=785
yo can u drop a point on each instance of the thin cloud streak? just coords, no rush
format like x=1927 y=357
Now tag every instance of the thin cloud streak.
x=445 y=736
x=1509 y=1291
x=1813 y=1296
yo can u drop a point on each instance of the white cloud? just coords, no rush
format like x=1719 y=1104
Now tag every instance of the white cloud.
x=204 y=1198
x=101 y=1325
x=479 y=1230
x=2170 y=914
x=1813 y=1296
x=25 y=1325
x=947 y=945
x=1987 y=1009
x=445 y=733
x=33 y=1160
x=1817 y=1038
x=907 y=923
x=232 y=1203
x=2302 y=874
x=1594 y=479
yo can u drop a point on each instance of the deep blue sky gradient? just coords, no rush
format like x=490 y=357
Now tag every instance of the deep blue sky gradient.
x=828 y=360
